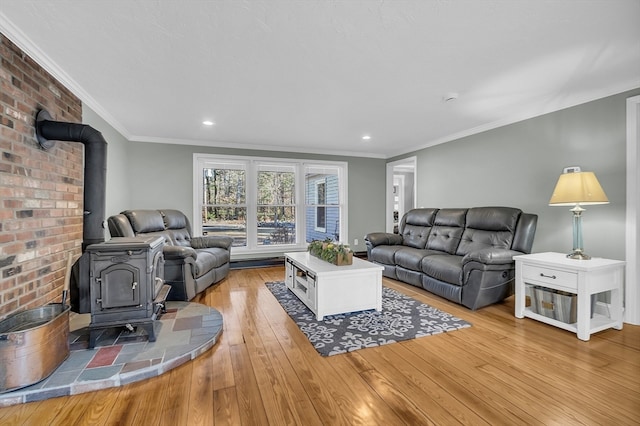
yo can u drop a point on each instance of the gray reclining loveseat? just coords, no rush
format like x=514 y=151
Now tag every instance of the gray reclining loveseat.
x=463 y=255
x=191 y=263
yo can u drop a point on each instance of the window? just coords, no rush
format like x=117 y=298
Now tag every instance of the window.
x=269 y=204
x=324 y=189
x=224 y=207
x=276 y=215
x=321 y=212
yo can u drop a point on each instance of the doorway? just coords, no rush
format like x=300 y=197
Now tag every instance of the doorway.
x=632 y=244
x=401 y=191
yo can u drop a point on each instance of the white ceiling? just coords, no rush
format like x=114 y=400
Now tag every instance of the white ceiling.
x=315 y=76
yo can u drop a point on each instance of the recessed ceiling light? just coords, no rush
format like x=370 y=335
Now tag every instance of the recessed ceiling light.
x=208 y=123
x=366 y=137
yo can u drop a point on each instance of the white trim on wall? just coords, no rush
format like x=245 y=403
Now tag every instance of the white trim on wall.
x=409 y=161
x=252 y=165
x=632 y=243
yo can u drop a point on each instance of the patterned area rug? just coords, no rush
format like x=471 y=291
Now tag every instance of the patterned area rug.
x=401 y=318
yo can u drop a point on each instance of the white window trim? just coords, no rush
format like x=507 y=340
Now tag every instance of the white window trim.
x=201 y=159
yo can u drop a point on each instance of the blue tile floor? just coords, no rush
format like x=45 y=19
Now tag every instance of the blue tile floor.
x=120 y=357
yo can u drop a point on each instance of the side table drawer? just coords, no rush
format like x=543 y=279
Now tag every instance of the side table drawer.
x=549 y=276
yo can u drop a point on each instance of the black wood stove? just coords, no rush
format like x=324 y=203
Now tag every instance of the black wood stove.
x=126 y=284
x=120 y=282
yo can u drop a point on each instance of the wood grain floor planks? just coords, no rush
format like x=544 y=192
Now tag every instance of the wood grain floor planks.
x=264 y=371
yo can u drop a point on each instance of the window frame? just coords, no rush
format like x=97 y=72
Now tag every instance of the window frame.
x=252 y=166
x=282 y=167
x=321 y=205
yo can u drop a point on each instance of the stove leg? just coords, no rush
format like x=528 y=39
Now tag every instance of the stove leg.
x=148 y=327
x=93 y=337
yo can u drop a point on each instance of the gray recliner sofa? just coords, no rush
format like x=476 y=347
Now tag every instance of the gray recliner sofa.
x=463 y=255
x=192 y=264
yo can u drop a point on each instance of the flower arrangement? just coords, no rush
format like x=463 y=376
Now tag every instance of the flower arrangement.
x=331 y=251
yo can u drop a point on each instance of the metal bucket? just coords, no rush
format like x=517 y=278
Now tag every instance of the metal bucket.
x=33 y=344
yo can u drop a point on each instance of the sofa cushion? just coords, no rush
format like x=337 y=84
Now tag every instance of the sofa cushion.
x=419 y=217
x=444 y=239
x=180 y=237
x=489 y=227
x=384 y=254
x=443 y=267
x=447 y=230
x=143 y=221
x=210 y=258
x=411 y=258
x=409 y=277
x=174 y=219
x=442 y=289
x=415 y=236
x=415 y=227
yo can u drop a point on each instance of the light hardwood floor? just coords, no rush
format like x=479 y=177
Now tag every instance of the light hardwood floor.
x=263 y=371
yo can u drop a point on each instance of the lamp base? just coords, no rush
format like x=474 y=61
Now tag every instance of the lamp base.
x=578 y=255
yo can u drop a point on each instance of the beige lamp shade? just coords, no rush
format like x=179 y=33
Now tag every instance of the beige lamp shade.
x=578 y=188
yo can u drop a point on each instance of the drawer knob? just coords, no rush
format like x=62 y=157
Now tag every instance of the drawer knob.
x=553 y=277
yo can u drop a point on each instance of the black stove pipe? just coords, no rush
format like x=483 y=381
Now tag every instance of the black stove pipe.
x=95 y=177
x=95 y=169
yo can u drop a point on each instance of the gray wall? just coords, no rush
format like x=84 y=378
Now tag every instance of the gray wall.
x=518 y=165
x=515 y=165
x=150 y=176
x=408 y=189
x=118 y=195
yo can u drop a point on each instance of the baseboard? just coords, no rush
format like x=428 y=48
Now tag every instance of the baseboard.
x=256 y=263
x=273 y=261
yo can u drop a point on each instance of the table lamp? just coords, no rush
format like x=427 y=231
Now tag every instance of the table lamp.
x=577 y=188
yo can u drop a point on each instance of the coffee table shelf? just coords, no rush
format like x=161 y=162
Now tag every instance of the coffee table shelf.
x=328 y=289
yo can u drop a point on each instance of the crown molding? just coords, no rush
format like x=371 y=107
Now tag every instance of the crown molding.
x=635 y=84
x=21 y=40
x=253 y=147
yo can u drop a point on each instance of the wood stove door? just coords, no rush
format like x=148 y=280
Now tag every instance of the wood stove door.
x=119 y=286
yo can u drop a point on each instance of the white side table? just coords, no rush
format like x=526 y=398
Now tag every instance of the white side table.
x=580 y=277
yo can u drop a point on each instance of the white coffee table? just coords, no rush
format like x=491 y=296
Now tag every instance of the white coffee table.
x=328 y=289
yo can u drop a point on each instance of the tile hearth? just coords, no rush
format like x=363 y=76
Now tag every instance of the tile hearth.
x=120 y=357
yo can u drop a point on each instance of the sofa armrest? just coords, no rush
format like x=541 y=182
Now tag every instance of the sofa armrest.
x=487 y=276
x=491 y=256
x=179 y=253
x=383 y=238
x=211 y=241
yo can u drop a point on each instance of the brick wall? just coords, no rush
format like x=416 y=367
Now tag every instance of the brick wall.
x=40 y=191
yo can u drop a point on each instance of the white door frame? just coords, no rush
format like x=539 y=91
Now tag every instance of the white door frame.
x=409 y=161
x=400 y=182
x=632 y=241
